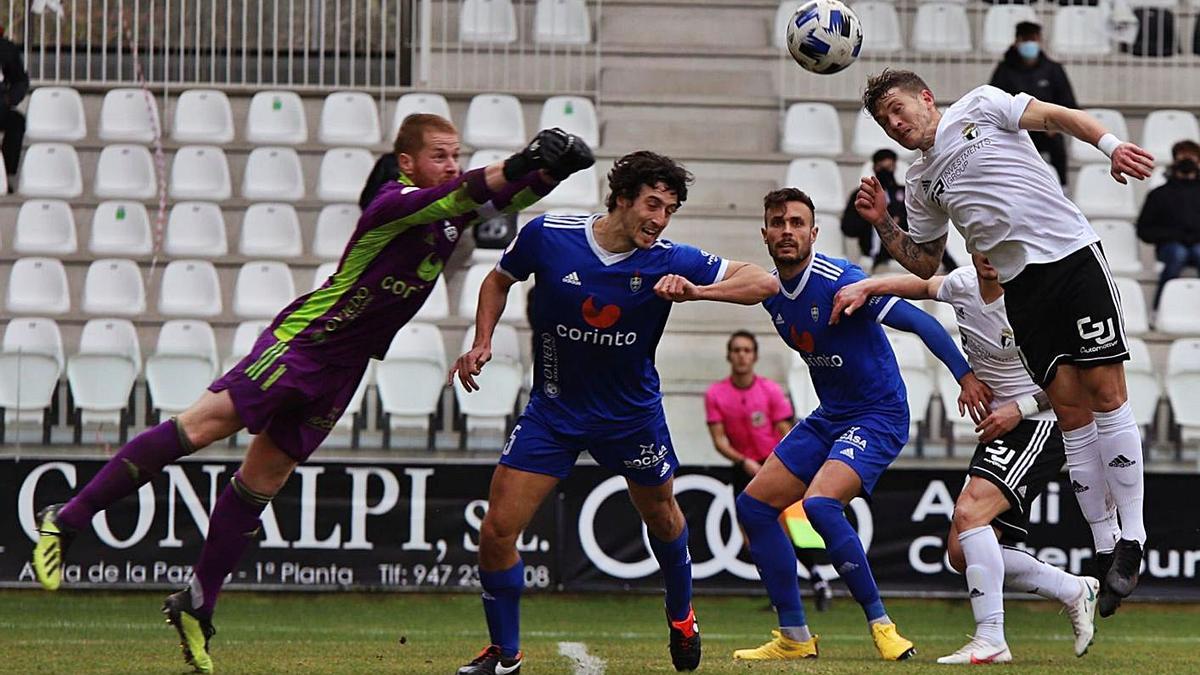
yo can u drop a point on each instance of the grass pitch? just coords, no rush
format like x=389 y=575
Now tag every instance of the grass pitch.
x=101 y=632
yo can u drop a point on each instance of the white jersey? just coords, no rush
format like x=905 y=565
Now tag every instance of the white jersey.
x=984 y=174
x=987 y=340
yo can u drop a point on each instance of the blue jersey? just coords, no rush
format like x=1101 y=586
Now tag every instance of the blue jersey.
x=597 y=321
x=851 y=363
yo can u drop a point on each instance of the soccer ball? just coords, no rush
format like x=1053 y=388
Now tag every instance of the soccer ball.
x=824 y=36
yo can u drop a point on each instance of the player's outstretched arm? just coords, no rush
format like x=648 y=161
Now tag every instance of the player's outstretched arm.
x=920 y=259
x=850 y=298
x=743 y=284
x=493 y=296
x=1127 y=159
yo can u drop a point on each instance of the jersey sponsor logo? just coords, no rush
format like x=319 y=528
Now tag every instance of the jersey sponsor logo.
x=802 y=341
x=934 y=189
x=851 y=436
x=1103 y=332
x=712 y=257
x=635 y=282
x=327 y=421
x=401 y=287
x=550 y=366
x=430 y=267
x=350 y=311
x=648 y=457
x=572 y=278
x=600 y=317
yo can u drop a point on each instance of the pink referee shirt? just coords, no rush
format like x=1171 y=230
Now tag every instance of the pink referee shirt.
x=749 y=415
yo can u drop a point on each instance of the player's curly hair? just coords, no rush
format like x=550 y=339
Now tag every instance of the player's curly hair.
x=879 y=85
x=644 y=167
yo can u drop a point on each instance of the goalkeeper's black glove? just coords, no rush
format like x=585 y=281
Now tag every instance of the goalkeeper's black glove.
x=577 y=156
x=544 y=149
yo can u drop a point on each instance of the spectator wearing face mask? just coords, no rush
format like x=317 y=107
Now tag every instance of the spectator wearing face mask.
x=883 y=164
x=1026 y=69
x=1170 y=217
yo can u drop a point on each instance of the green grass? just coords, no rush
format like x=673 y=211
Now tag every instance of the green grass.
x=97 y=632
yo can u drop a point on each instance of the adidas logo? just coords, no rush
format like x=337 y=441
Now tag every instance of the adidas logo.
x=1121 y=462
x=1078 y=487
x=778 y=319
x=1021 y=491
x=848 y=452
x=976 y=593
x=846 y=568
x=572 y=278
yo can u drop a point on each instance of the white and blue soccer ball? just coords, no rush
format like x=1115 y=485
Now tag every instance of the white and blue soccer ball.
x=824 y=36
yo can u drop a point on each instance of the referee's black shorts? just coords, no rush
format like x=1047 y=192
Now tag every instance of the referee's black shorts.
x=1066 y=311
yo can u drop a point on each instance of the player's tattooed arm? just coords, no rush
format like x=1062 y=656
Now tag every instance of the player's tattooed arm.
x=920 y=259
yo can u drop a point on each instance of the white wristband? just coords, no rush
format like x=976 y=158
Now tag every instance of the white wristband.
x=1028 y=406
x=1108 y=144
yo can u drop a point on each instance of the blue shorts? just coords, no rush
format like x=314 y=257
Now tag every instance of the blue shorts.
x=644 y=455
x=868 y=444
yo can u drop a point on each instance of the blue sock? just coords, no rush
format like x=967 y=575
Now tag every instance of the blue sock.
x=776 y=560
x=502 y=606
x=846 y=552
x=676 y=564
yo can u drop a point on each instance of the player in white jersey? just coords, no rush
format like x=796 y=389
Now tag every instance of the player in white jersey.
x=1019 y=452
x=979 y=169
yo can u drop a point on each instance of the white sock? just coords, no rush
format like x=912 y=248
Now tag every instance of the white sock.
x=1120 y=443
x=1025 y=573
x=1091 y=490
x=985 y=579
x=797 y=633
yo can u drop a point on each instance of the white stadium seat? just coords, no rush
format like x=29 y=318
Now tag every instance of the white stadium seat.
x=830 y=240
x=200 y=172
x=50 y=170
x=102 y=374
x=244 y=337
x=1099 y=196
x=499 y=383
x=45 y=227
x=562 y=22
x=1133 y=306
x=263 y=288
x=31 y=363
x=182 y=366
x=684 y=413
x=202 y=116
x=1164 y=128
x=437 y=305
x=821 y=180
x=492 y=21
x=417 y=102
x=1120 y=243
x=274 y=174
x=880 y=27
x=941 y=27
x=812 y=130
x=1179 y=307
x=322 y=274
x=335 y=226
x=114 y=287
x=870 y=137
x=55 y=114
x=999 y=26
x=473 y=279
x=271 y=230
x=495 y=121
x=574 y=115
x=962 y=429
x=1144 y=389
x=276 y=117
x=580 y=190
x=1080 y=31
x=343 y=173
x=196 y=229
x=1113 y=120
x=189 y=288
x=38 y=286
x=411 y=377
x=800 y=387
x=121 y=228
x=125 y=171
x=349 y=118
x=127 y=116
x=33 y=335
x=1183 y=385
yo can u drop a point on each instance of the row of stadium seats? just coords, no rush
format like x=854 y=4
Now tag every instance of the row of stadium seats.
x=277 y=118
x=815 y=130
x=101 y=376
x=192 y=288
x=555 y=22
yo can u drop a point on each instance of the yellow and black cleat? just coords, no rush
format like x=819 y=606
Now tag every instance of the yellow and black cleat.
x=51 y=548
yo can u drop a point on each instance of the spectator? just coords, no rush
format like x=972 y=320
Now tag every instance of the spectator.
x=747 y=416
x=883 y=163
x=1026 y=69
x=14 y=85
x=1170 y=217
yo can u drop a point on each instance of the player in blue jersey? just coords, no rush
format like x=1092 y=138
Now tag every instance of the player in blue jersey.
x=605 y=284
x=840 y=450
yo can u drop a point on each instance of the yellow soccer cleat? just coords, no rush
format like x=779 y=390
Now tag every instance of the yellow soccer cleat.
x=51 y=546
x=891 y=645
x=194 y=630
x=779 y=649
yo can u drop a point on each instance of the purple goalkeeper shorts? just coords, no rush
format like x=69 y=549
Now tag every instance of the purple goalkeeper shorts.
x=285 y=393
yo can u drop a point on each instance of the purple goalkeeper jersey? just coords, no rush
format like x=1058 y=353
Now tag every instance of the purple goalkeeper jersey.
x=391 y=264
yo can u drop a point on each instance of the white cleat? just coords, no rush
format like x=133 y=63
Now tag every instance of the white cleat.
x=978 y=652
x=1083 y=614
